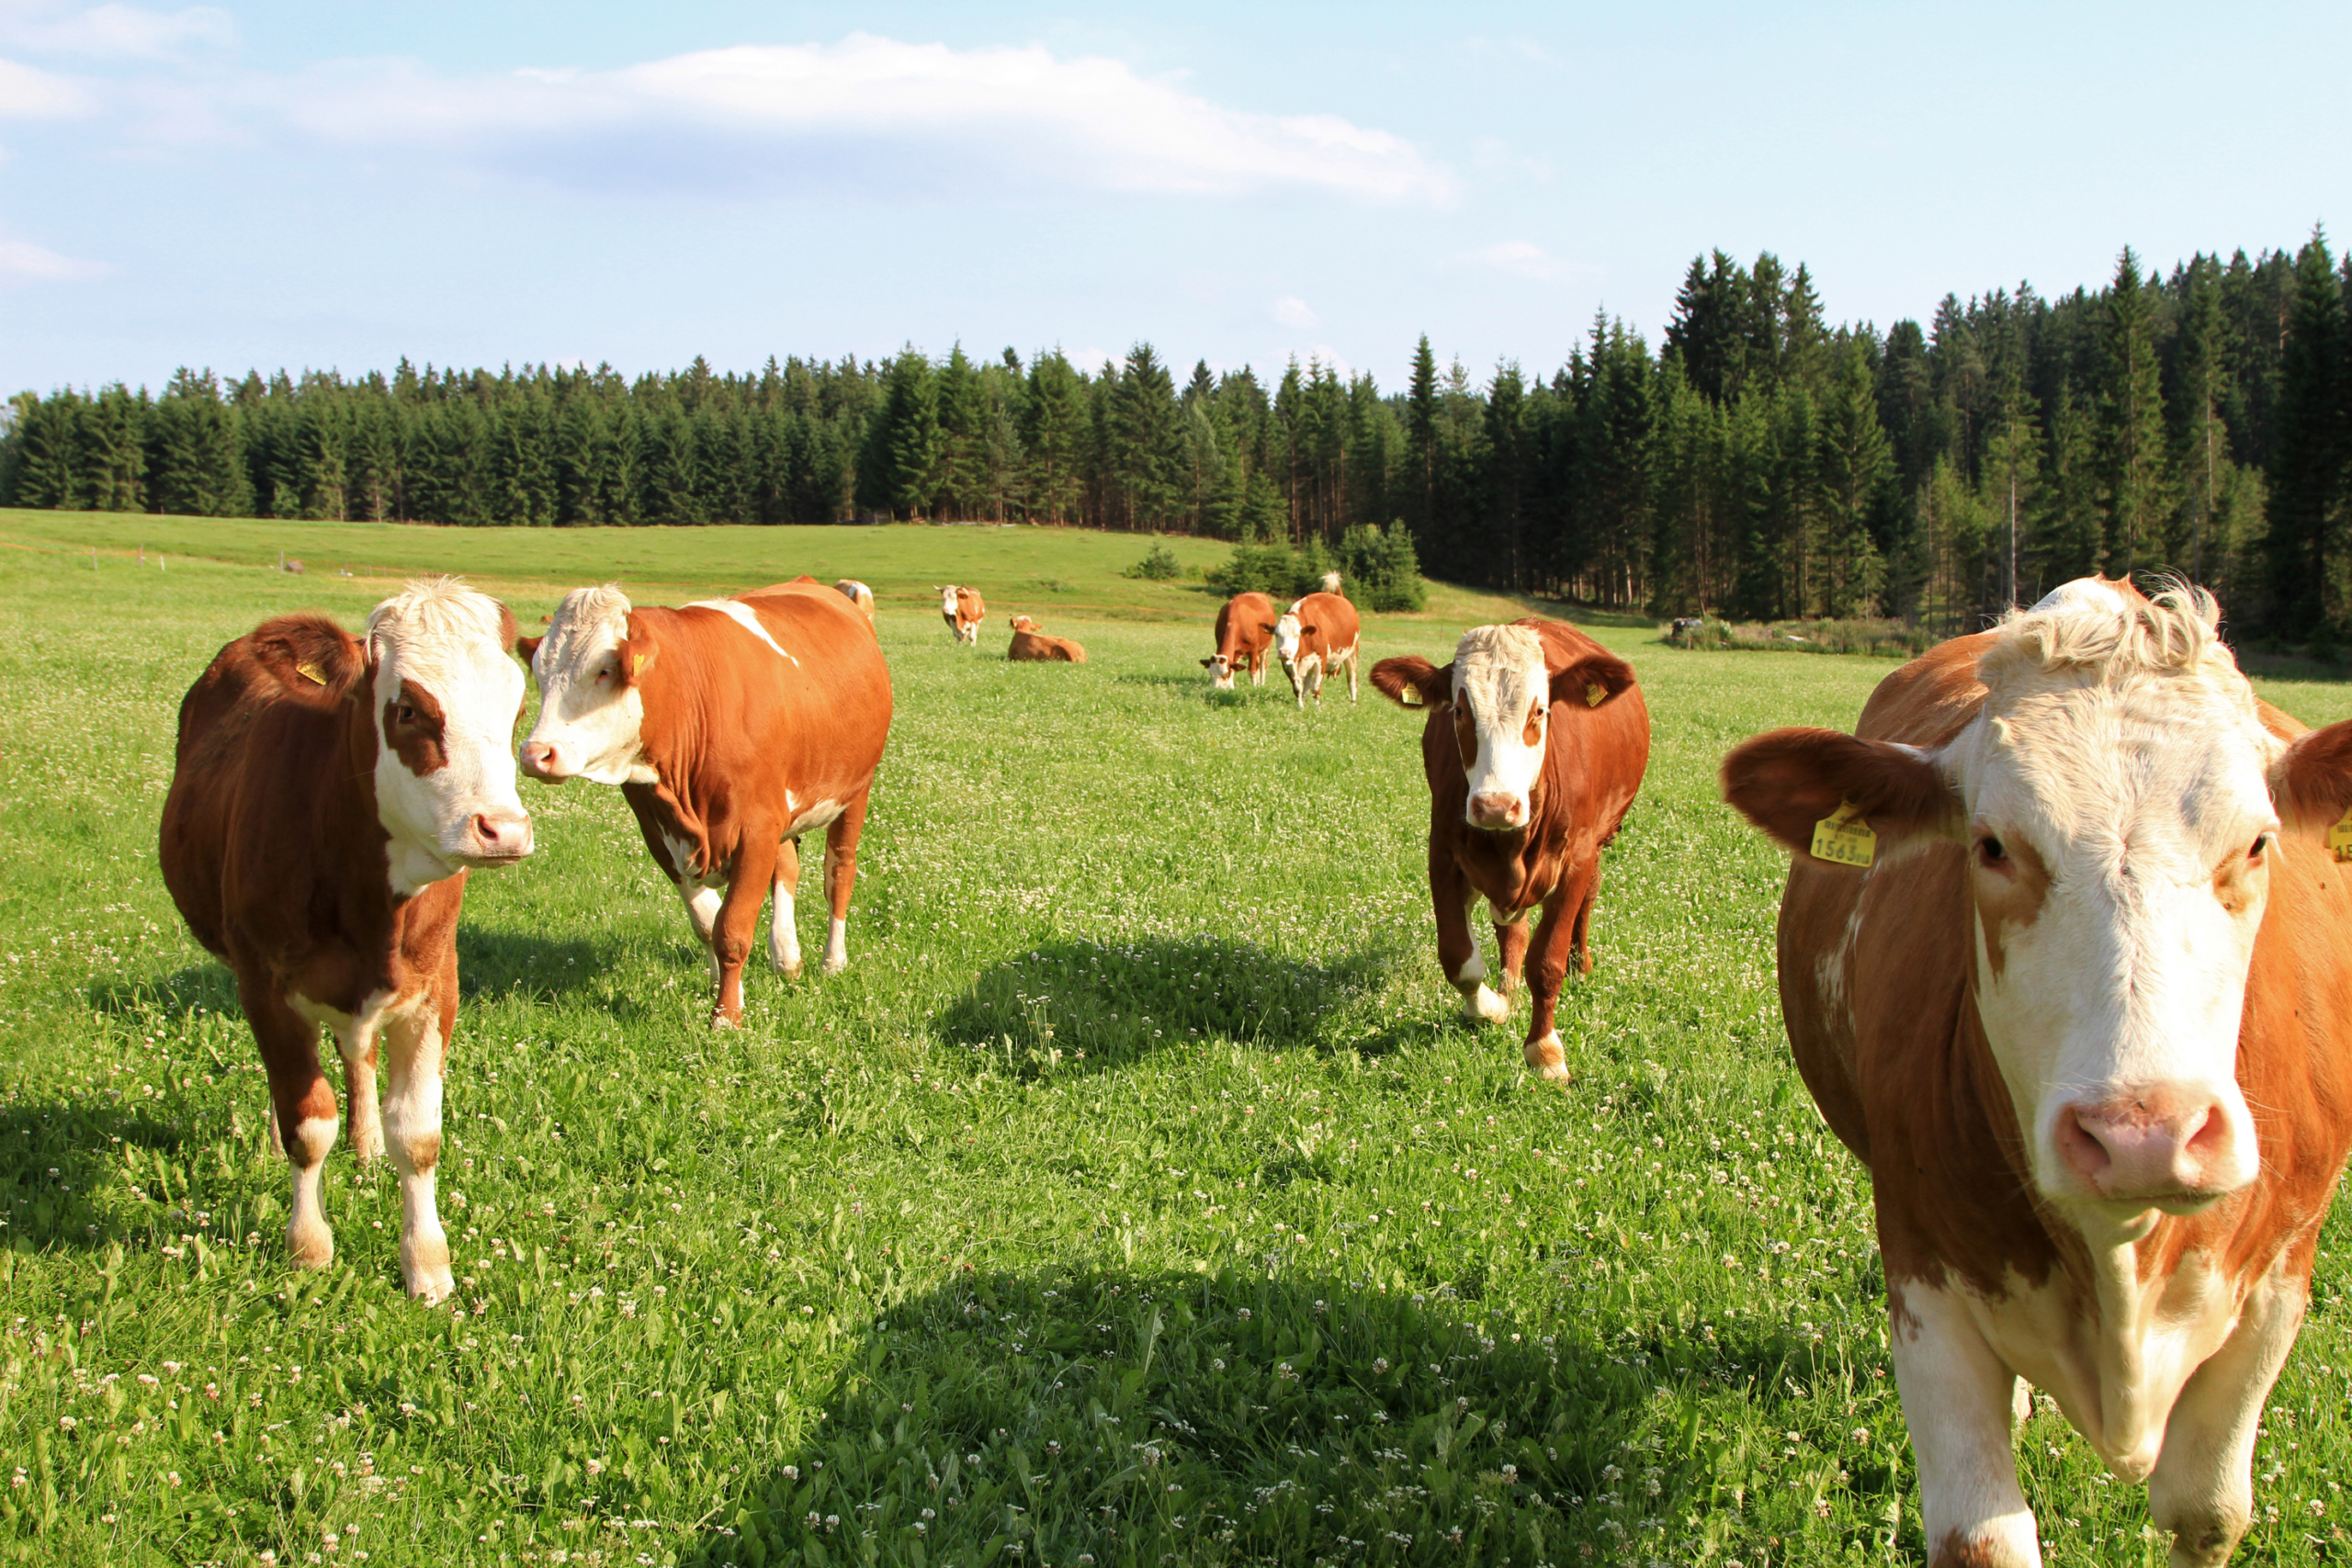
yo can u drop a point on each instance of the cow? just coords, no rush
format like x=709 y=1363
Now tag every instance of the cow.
x=859 y=594
x=1031 y=646
x=732 y=727
x=1312 y=639
x=329 y=796
x=1245 y=633
x=963 y=610
x=2064 y=961
x=1535 y=745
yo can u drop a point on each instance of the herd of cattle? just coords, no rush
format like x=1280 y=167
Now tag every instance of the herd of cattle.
x=2063 y=953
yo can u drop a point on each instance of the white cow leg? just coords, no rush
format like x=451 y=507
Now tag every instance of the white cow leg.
x=837 y=864
x=1352 y=662
x=702 y=909
x=2202 y=1487
x=1957 y=1402
x=361 y=1113
x=414 y=1050
x=784 y=937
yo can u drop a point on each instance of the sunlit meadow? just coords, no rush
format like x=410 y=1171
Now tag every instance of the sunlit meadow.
x=1134 y=1198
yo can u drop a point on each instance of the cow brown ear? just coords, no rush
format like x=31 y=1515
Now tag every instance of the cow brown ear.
x=1788 y=782
x=635 y=653
x=527 y=647
x=308 y=655
x=1596 y=678
x=1266 y=626
x=1412 y=682
x=2312 y=783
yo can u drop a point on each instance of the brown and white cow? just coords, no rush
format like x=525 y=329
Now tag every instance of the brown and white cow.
x=859 y=594
x=328 y=798
x=1031 y=646
x=733 y=727
x=1314 y=637
x=1535 y=746
x=1245 y=635
x=2086 y=1015
x=963 y=609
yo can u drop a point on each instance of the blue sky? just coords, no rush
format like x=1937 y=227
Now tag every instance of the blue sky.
x=314 y=184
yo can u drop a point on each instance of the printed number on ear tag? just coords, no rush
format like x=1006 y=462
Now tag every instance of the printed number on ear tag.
x=312 y=673
x=1844 y=838
x=1411 y=696
x=2339 y=839
x=1594 y=695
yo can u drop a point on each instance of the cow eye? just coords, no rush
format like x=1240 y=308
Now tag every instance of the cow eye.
x=1990 y=851
x=2261 y=847
x=403 y=714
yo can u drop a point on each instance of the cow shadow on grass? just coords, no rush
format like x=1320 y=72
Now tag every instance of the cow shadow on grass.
x=199 y=988
x=1236 y=1416
x=56 y=1157
x=493 y=962
x=1088 y=1004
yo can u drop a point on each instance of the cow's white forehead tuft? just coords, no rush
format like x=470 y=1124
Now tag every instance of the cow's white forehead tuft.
x=1498 y=669
x=434 y=626
x=2089 y=630
x=587 y=617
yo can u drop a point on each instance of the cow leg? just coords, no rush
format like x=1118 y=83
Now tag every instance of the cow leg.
x=841 y=878
x=363 y=1121
x=1257 y=668
x=1315 y=681
x=303 y=1107
x=1353 y=661
x=739 y=912
x=1581 y=938
x=1957 y=1402
x=784 y=937
x=2202 y=1487
x=416 y=1046
x=1457 y=948
x=1511 y=951
x=1545 y=1052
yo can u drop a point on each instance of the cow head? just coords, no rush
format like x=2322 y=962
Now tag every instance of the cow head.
x=947 y=601
x=2120 y=804
x=1023 y=623
x=445 y=699
x=1498 y=692
x=1220 y=668
x=592 y=711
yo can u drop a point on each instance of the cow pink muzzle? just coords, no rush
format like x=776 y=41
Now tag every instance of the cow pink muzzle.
x=2171 y=1143
x=1497 y=810
x=541 y=759
x=498 y=837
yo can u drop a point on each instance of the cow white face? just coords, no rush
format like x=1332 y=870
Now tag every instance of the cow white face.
x=592 y=716
x=446 y=698
x=1502 y=705
x=1289 y=633
x=2119 y=824
x=947 y=603
x=1220 y=668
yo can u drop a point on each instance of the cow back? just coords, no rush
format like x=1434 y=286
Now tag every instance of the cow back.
x=1245 y=626
x=1335 y=628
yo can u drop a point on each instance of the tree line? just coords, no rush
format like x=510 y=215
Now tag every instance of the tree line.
x=1758 y=463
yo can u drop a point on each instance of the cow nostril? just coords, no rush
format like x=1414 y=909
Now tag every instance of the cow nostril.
x=2082 y=1149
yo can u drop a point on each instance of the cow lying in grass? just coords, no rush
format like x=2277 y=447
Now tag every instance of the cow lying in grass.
x=1031 y=644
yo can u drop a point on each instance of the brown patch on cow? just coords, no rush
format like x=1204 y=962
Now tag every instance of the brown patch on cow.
x=1465 y=736
x=1957 y=1549
x=415 y=727
x=527 y=647
x=2009 y=894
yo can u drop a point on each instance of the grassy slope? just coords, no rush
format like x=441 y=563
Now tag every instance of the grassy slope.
x=1134 y=1194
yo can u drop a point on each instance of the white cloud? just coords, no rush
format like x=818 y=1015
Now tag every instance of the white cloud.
x=110 y=32
x=1292 y=311
x=24 y=261
x=1520 y=258
x=868 y=110
x=29 y=93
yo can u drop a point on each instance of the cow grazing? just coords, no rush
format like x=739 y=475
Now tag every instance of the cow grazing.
x=963 y=610
x=1245 y=633
x=2073 y=979
x=1535 y=745
x=733 y=727
x=1314 y=637
x=1031 y=646
x=859 y=594
x=328 y=797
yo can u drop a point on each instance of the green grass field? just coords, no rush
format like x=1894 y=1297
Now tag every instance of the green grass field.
x=1134 y=1198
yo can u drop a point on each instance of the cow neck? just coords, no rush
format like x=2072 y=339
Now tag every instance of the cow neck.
x=674 y=736
x=350 y=842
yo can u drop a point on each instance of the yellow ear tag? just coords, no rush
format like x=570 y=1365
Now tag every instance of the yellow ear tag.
x=1845 y=839
x=638 y=663
x=1411 y=696
x=1594 y=695
x=312 y=674
x=2339 y=837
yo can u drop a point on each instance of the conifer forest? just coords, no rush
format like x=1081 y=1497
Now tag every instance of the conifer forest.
x=1757 y=463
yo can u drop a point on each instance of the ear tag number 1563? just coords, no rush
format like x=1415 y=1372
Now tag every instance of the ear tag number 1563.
x=2339 y=839
x=1845 y=839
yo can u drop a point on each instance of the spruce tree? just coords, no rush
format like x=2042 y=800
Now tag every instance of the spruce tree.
x=2308 y=468
x=2133 y=460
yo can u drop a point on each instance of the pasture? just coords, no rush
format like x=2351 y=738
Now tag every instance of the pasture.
x=1135 y=1196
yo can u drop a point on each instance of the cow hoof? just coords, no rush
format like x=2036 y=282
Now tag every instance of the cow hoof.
x=789 y=971
x=832 y=966
x=1546 y=1059
x=726 y=1020
x=431 y=1287
x=310 y=1247
x=1483 y=1006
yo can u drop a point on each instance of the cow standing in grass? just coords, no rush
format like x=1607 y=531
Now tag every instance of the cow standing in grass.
x=1245 y=635
x=2074 y=980
x=1535 y=746
x=1314 y=638
x=733 y=727
x=328 y=797
x=963 y=609
x=1031 y=646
